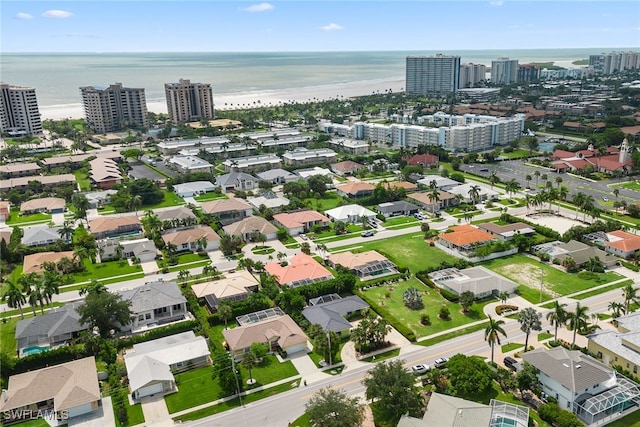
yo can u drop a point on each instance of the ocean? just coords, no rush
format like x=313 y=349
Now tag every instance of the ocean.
x=58 y=77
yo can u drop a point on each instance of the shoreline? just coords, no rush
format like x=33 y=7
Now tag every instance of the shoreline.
x=251 y=99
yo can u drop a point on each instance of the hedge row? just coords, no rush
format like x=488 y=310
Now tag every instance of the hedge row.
x=630 y=266
x=156 y=333
x=448 y=295
x=383 y=312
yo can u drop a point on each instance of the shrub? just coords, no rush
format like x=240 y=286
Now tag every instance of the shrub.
x=449 y=296
x=501 y=308
x=444 y=313
x=425 y=320
x=383 y=312
x=630 y=266
x=412 y=298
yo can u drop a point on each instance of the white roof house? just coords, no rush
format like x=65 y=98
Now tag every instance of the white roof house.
x=306 y=173
x=252 y=163
x=150 y=364
x=190 y=164
x=485 y=193
x=271 y=201
x=189 y=189
x=349 y=213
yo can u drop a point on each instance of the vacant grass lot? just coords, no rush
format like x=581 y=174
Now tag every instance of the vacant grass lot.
x=329 y=201
x=533 y=275
x=104 y=270
x=409 y=250
x=170 y=199
x=432 y=304
x=400 y=220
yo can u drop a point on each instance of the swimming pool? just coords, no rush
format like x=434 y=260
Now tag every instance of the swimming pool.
x=546 y=147
x=27 y=351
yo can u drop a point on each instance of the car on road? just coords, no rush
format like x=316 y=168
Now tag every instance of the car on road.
x=420 y=369
x=440 y=362
x=605 y=199
x=367 y=233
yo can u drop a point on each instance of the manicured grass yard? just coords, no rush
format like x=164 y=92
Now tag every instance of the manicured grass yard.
x=635 y=185
x=82 y=179
x=210 y=196
x=511 y=346
x=16 y=218
x=40 y=422
x=409 y=250
x=528 y=273
x=170 y=199
x=400 y=220
x=8 y=343
x=104 y=270
x=331 y=200
x=432 y=303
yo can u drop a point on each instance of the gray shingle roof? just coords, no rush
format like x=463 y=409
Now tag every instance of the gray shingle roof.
x=330 y=314
x=61 y=321
x=152 y=296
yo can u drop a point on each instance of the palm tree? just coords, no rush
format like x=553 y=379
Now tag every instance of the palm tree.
x=32 y=299
x=434 y=199
x=82 y=205
x=225 y=312
x=562 y=196
x=51 y=284
x=558 y=181
x=474 y=193
x=94 y=287
x=557 y=316
x=492 y=333
x=66 y=231
x=578 y=201
x=630 y=295
x=588 y=204
x=528 y=179
x=577 y=320
x=537 y=175
x=42 y=295
x=14 y=296
x=493 y=178
x=210 y=270
x=616 y=309
x=26 y=281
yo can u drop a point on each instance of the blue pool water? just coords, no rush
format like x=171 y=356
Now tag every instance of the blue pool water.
x=33 y=350
x=547 y=147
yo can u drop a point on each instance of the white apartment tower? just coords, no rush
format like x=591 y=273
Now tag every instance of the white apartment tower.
x=472 y=74
x=609 y=63
x=504 y=71
x=19 y=113
x=188 y=101
x=112 y=108
x=432 y=74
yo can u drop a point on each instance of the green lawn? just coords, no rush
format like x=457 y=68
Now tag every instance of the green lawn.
x=16 y=218
x=170 y=199
x=454 y=334
x=529 y=273
x=104 y=270
x=330 y=200
x=635 y=185
x=263 y=250
x=517 y=154
x=197 y=387
x=400 y=220
x=82 y=179
x=185 y=258
x=40 y=422
x=602 y=290
x=383 y=356
x=409 y=250
x=511 y=346
x=432 y=303
x=135 y=415
x=544 y=336
x=632 y=419
x=301 y=421
x=210 y=196
x=8 y=343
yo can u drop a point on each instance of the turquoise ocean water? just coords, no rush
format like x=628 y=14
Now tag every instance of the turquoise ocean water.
x=57 y=77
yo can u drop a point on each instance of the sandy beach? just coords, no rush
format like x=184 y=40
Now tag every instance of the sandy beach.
x=253 y=99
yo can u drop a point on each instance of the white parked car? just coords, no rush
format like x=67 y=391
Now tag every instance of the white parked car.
x=420 y=369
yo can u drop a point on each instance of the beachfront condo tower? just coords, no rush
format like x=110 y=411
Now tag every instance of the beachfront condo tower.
x=187 y=102
x=471 y=75
x=504 y=71
x=19 y=113
x=113 y=108
x=432 y=74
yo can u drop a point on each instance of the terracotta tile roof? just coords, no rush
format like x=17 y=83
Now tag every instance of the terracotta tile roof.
x=48 y=203
x=400 y=184
x=101 y=225
x=300 y=267
x=226 y=205
x=350 y=260
x=33 y=262
x=346 y=166
x=562 y=154
x=628 y=242
x=190 y=235
x=463 y=235
x=299 y=219
x=422 y=159
x=355 y=187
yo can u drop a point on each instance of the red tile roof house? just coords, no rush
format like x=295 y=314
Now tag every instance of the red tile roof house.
x=187 y=239
x=623 y=244
x=300 y=222
x=424 y=160
x=227 y=210
x=347 y=167
x=300 y=270
x=463 y=241
x=355 y=190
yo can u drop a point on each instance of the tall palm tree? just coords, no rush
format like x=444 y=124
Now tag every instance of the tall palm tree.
x=27 y=281
x=82 y=205
x=630 y=295
x=588 y=204
x=66 y=231
x=492 y=333
x=493 y=178
x=92 y=288
x=434 y=199
x=51 y=284
x=42 y=295
x=562 y=196
x=537 y=175
x=558 y=181
x=474 y=193
x=577 y=201
x=14 y=296
x=616 y=309
x=577 y=320
x=557 y=316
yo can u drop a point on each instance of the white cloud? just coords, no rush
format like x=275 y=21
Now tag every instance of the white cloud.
x=332 y=27
x=22 y=15
x=260 y=7
x=57 y=14
x=496 y=2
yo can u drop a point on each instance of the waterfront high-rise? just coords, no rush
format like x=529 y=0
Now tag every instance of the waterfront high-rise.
x=504 y=71
x=188 y=101
x=432 y=74
x=113 y=108
x=472 y=74
x=528 y=73
x=19 y=112
x=609 y=63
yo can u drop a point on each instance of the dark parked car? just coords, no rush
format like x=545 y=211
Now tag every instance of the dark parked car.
x=510 y=363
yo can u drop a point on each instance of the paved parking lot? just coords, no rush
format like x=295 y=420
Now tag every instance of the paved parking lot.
x=141 y=171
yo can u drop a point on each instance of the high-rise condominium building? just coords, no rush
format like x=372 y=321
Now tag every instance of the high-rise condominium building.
x=188 y=101
x=504 y=71
x=528 y=73
x=472 y=74
x=609 y=63
x=19 y=113
x=432 y=74
x=112 y=108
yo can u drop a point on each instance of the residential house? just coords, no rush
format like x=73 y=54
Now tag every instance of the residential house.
x=366 y=265
x=152 y=364
x=619 y=347
x=50 y=205
x=331 y=312
x=115 y=226
x=42 y=235
x=300 y=270
x=350 y=146
x=5 y=234
x=316 y=170
x=252 y=163
x=465 y=190
x=33 y=263
x=154 y=304
x=237 y=181
x=190 y=164
x=350 y=213
x=479 y=280
x=15 y=170
x=581 y=384
x=104 y=173
x=395 y=185
x=463 y=240
x=188 y=239
x=623 y=244
x=195 y=188
x=62 y=391
x=97 y=199
x=346 y=168
x=250 y=227
x=425 y=160
x=300 y=221
x=55 y=328
x=434 y=204
x=233 y=288
x=277 y=176
x=268 y=200
x=355 y=190
x=227 y=210
x=437 y=181
x=277 y=332
x=180 y=213
x=449 y=411
x=579 y=252
x=143 y=249
x=302 y=156
x=76 y=160
x=5 y=211
x=400 y=208
x=507 y=231
x=46 y=181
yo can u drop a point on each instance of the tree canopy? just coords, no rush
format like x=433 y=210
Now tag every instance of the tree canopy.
x=468 y=375
x=393 y=387
x=105 y=311
x=333 y=408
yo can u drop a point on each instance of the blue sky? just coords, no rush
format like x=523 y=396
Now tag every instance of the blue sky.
x=236 y=26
